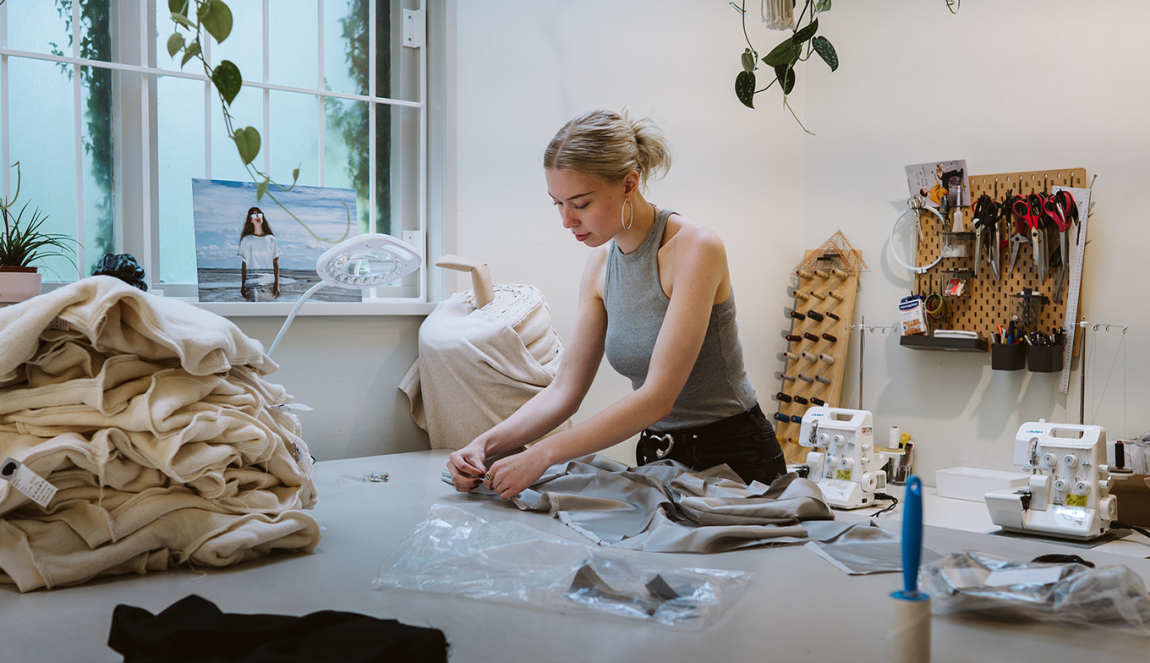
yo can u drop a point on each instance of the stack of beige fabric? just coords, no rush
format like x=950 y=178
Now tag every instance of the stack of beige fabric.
x=153 y=420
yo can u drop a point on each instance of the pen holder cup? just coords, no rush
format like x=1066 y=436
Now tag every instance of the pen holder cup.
x=1046 y=358
x=901 y=474
x=1005 y=357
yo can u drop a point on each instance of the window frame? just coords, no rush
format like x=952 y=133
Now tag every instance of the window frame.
x=140 y=183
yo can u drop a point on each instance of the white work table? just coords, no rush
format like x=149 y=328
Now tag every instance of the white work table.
x=798 y=607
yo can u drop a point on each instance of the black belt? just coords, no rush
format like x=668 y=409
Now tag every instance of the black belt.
x=688 y=435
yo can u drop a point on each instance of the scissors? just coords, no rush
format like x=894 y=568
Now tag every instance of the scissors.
x=982 y=221
x=1052 y=206
x=1029 y=209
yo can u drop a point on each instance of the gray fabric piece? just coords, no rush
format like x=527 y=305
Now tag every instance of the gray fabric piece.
x=636 y=305
x=858 y=548
x=665 y=507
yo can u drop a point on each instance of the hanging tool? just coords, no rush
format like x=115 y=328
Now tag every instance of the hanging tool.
x=1029 y=209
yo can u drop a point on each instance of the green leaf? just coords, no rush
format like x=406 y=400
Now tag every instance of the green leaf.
x=745 y=88
x=806 y=33
x=190 y=52
x=175 y=43
x=784 y=53
x=262 y=188
x=228 y=80
x=786 y=76
x=823 y=6
x=216 y=18
x=248 y=144
x=748 y=60
x=178 y=7
x=183 y=20
x=826 y=52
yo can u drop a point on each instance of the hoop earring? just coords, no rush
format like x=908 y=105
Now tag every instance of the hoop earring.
x=626 y=226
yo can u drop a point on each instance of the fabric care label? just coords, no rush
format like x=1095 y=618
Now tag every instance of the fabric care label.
x=28 y=482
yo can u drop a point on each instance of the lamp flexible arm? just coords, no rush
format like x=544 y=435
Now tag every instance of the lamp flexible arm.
x=291 y=316
x=480 y=276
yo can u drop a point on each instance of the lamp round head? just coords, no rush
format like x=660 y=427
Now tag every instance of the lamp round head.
x=367 y=261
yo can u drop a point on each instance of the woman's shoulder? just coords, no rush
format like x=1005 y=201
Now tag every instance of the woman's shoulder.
x=689 y=235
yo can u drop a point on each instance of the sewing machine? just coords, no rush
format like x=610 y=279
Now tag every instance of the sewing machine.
x=1069 y=491
x=844 y=462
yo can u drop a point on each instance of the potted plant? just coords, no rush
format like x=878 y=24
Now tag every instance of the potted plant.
x=22 y=244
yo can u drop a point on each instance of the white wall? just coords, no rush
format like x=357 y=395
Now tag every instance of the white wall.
x=526 y=67
x=1008 y=86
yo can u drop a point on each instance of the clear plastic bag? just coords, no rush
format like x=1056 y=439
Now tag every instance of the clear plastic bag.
x=458 y=553
x=973 y=582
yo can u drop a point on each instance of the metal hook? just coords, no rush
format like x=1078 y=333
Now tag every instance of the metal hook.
x=1107 y=327
x=1096 y=327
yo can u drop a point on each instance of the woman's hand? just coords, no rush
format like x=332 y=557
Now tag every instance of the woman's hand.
x=466 y=467
x=512 y=475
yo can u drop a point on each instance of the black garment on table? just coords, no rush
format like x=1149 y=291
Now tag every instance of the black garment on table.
x=745 y=442
x=194 y=629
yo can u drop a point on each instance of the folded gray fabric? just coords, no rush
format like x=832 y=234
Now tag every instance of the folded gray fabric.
x=667 y=507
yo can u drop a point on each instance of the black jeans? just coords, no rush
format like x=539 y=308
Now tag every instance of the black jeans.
x=745 y=442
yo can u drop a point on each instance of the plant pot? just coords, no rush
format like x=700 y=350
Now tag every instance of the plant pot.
x=18 y=284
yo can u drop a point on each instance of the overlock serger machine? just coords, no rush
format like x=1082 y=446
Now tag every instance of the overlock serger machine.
x=844 y=462
x=1069 y=491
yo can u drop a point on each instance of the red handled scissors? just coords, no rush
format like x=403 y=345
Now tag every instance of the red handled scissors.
x=1029 y=209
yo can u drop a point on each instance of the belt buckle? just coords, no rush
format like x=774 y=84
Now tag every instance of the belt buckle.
x=660 y=454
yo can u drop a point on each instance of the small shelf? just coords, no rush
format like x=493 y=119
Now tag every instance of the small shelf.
x=921 y=342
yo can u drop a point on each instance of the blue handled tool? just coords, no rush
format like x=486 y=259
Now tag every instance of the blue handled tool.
x=911 y=536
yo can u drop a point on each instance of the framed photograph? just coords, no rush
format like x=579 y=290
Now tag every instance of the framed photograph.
x=249 y=251
x=938 y=179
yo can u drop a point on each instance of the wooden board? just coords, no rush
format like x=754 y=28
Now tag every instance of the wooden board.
x=986 y=302
x=821 y=302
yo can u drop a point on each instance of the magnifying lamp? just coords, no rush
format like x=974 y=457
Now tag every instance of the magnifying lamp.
x=361 y=262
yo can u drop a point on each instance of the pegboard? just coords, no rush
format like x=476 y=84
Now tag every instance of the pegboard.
x=829 y=281
x=987 y=302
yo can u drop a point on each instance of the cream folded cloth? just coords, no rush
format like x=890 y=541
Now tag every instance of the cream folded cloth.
x=153 y=420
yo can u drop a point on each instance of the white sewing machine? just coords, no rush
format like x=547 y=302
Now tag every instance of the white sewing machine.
x=1069 y=492
x=844 y=464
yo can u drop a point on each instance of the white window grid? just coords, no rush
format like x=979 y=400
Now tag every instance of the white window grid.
x=372 y=303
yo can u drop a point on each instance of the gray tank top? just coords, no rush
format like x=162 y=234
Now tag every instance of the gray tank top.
x=718 y=386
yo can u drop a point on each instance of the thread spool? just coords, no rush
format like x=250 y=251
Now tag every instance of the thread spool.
x=806 y=378
x=838 y=273
x=834 y=295
x=790 y=355
x=788 y=378
x=832 y=316
x=783 y=397
x=909 y=636
x=817 y=295
x=799 y=294
x=828 y=337
x=804 y=273
x=796 y=419
x=796 y=315
x=818 y=401
x=810 y=337
x=815 y=315
x=823 y=379
x=821 y=273
x=782 y=417
x=827 y=359
x=895 y=438
x=800 y=400
x=809 y=356
x=793 y=338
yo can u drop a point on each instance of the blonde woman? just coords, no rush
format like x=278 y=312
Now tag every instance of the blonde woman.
x=656 y=298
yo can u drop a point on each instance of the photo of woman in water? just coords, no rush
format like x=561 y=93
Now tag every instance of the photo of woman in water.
x=260 y=253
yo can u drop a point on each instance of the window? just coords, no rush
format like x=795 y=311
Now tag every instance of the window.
x=109 y=131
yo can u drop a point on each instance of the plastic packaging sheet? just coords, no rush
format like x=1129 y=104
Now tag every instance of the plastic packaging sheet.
x=973 y=582
x=458 y=553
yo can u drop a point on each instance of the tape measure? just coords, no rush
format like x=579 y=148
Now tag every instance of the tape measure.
x=1082 y=201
